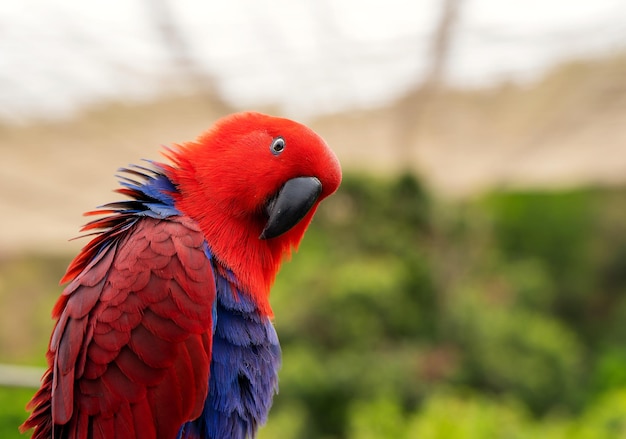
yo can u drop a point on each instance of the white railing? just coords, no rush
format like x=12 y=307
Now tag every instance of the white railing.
x=20 y=376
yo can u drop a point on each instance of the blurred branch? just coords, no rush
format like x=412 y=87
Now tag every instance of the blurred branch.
x=180 y=52
x=413 y=109
x=441 y=42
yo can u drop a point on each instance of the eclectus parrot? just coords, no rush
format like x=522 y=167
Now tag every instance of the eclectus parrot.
x=165 y=328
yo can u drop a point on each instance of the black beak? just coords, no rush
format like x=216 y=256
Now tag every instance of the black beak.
x=292 y=202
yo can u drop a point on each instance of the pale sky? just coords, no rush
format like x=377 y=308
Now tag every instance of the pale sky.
x=308 y=56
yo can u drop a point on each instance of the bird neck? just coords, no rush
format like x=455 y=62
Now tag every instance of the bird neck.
x=234 y=243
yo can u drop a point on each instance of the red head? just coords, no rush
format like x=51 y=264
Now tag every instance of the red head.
x=240 y=182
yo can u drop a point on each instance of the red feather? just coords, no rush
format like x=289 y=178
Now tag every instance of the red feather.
x=130 y=353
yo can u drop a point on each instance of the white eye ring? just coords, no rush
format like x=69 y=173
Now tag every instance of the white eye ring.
x=277 y=146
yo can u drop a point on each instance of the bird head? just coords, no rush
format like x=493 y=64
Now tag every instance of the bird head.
x=253 y=182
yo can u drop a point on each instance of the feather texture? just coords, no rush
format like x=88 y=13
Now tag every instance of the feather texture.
x=130 y=324
x=130 y=353
x=148 y=318
x=244 y=370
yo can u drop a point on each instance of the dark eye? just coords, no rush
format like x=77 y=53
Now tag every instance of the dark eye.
x=277 y=146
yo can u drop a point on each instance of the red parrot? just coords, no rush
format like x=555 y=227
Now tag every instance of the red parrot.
x=164 y=329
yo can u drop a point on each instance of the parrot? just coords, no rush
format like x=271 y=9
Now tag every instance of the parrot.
x=164 y=328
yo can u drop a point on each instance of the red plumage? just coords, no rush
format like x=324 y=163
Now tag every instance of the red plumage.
x=130 y=353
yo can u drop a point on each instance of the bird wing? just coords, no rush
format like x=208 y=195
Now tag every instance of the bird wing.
x=130 y=354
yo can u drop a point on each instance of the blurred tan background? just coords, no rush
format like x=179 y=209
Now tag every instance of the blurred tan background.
x=472 y=94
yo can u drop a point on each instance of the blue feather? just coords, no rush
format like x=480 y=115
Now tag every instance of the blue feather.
x=244 y=369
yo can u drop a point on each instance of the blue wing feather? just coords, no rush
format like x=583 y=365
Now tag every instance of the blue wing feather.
x=244 y=369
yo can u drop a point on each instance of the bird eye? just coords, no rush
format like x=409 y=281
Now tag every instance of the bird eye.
x=277 y=146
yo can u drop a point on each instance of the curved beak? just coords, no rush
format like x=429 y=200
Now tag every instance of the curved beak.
x=292 y=202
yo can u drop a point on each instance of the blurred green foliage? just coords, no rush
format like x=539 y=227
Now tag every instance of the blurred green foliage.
x=406 y=316
x=501 y=317
x=12 y=403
